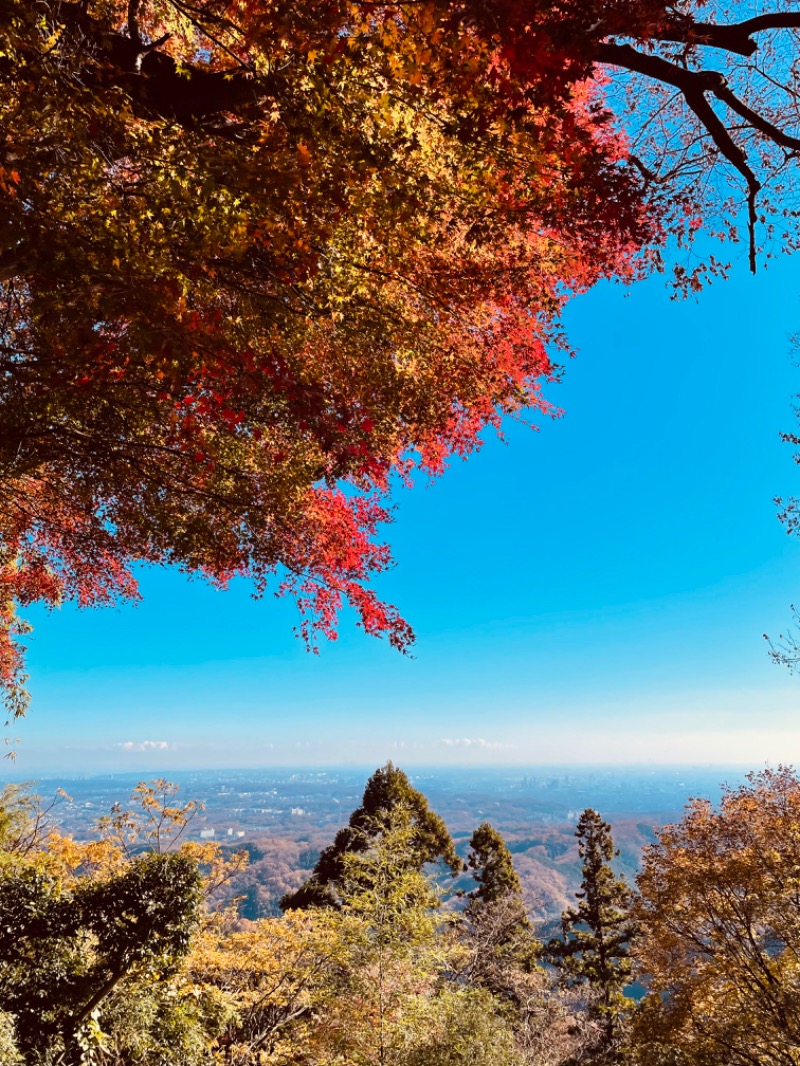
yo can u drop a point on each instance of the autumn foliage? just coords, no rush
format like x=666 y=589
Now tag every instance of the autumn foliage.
x=113 y=950
x=259 y=259
x=720 y=924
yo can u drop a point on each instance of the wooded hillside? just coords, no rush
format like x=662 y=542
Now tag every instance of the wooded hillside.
x=113 y=951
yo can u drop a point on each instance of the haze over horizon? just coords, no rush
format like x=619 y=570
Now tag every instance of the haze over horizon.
x=591 y=593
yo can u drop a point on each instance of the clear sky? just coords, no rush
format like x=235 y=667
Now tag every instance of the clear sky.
x=592 y=592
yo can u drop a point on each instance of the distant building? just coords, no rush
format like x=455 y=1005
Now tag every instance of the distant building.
x=207 y=834
x=298 y=810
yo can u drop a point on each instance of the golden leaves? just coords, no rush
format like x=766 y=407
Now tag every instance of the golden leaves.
x=350 y=219
x=720 y=926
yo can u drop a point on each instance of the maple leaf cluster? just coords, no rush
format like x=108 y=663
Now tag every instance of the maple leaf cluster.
x=257 y=259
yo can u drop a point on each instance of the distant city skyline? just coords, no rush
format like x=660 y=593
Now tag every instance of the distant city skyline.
x=591 y=593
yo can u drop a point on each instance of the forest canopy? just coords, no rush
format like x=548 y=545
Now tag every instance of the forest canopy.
x=257 y=260
x=116 y=948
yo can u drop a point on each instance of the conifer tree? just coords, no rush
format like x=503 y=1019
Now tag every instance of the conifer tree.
x=594 y=950
x=492 y=866
x=497 y=931
x=388 y=793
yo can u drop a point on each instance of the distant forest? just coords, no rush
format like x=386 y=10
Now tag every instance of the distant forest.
x=129 y=949
x=545 y=857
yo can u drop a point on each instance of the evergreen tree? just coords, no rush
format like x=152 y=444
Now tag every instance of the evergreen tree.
x=387 y=794
x=397 y=1003
x=594 y=950
x=372 y=982
x=501 y=947
x=492 y=866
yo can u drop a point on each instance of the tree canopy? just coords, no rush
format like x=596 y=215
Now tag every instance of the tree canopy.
x=492 y=866
x=118 y=955
x=720 y=929
x=86 y=927
x=256 y=259
x=390 y=805
x=497 y=932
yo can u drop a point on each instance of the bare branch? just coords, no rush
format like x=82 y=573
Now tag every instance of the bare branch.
x=734 y=37
x=694 y=86
x=774 y=20
x=756 y=121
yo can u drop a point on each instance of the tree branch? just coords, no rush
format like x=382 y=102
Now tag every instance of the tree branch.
x=151 y=78
x=728 y=38
x=105 y=989
x=13 y=262
x=775 y=20
x=133 y=22
x=770 y=130
x=735 y=37
x=694 y=85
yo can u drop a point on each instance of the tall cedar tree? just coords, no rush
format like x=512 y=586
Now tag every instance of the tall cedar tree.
x=403 y=1009
x=498 y=932
x=256 y=258
x=594 y=951
x=388 y=796
x=368 y=984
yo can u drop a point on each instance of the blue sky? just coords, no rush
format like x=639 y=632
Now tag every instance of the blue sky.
x=592 y=592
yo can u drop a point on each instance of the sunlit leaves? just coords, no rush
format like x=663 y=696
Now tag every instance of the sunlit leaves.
x=720 y=929
x=258 y=258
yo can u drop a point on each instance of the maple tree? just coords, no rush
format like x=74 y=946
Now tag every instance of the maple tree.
x=257 y=259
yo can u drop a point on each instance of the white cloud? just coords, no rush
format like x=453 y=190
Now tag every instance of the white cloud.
x=143 y=745
x=473 y=742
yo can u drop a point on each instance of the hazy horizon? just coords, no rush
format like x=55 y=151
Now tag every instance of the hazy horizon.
x=10 y=771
